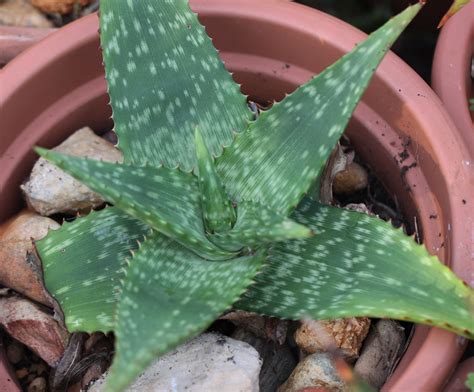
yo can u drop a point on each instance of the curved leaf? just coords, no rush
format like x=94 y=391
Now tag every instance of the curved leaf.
x=83 y=263
x=166 y=199
x=357 y=265
x=165 y=79
x=276 y=161
x=257 y=226
x=170 y=295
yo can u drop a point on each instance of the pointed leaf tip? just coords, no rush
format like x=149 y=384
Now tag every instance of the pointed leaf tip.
x=457 y=5
x=41 y=151
x=358 y=265
x=285 y=149
x=218 y=213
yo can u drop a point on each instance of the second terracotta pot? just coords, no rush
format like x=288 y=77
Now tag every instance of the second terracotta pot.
x=272 y=46
x=451 y=77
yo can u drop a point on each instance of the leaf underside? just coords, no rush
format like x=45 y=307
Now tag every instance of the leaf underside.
x=256 y=226
x=169 y=295
x=166 y=199
x=285 y=149
x=165 y=79
x=356 y=265
x=83 y=263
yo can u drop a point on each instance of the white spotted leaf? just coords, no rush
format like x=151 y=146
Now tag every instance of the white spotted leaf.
x=170 y=295
x=218 y=211
x=357 y=265
x=165 y=79
x=259 y=226
x=83 y=263
x=166 y=199
x=282 y=153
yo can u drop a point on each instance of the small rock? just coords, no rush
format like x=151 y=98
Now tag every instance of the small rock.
x=211 y=362
x=382 y=348
x=358 y=207
x=22 y=14
x=354 y=178
x=38 y=368
x=326 y=335
x=21 y=373
x=37 y=385
x=49 y=190
x=270 y=328
x=316 y=370
x=278 y=359
x=337 y=162
x=58 y=6
x=20 y=269
x=15 y=353
x=33 y=327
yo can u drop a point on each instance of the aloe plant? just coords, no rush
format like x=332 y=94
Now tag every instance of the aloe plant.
x=209 y=208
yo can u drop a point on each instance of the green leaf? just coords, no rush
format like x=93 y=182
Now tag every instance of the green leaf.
x=218 y=212
x=166 y=199
x=83 y=263
x=357 y=265
x=285 y=149
x=170 y=295
x=165 y=79
x=257 y=225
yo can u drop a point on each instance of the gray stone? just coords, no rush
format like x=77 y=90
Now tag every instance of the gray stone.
x=49 y=190
x=380 y=353
x=211 y=362
x=278 y=359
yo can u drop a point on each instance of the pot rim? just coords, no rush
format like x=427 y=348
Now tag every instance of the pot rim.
x=419 y=369
x=451 y=73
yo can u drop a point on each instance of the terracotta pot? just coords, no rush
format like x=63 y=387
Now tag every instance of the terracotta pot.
x=272 y=46
x=451 y=78
x=14 y=40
